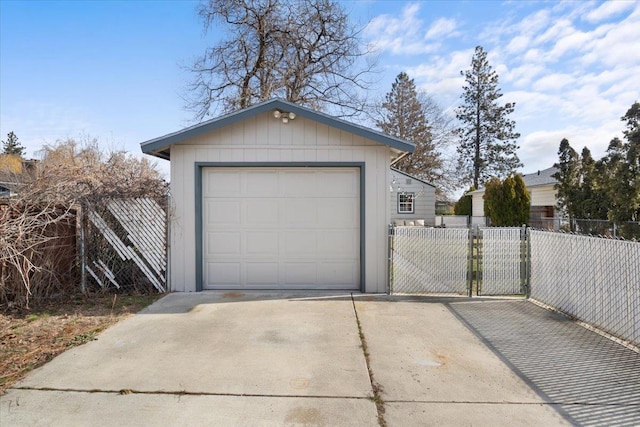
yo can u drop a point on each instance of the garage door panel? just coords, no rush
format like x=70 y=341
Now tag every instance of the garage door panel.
x=299 y=243
x=299 y=213
x=338 y=272
x=223 y=212
x=261 y=182
x=339 y=244
x=261 y=212
x=262 y=243
x=224 y=273
x=262 y=273
x=300 y=273
x=298 y=183
x=281 y=228
x=339 y=183
x=222 y=182
x=224 y=243
x=338 y=213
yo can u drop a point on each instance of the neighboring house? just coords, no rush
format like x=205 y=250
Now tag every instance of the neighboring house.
x=543 y=196
x=278 y=196
x=413 y=201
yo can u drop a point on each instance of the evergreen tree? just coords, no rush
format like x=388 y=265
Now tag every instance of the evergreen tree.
x=464 y=205
x=522 y=201
x=568 y=177
x=590 y=201
x=403 y=116
x=487 y=135
x=12 y=146
x=507 y=203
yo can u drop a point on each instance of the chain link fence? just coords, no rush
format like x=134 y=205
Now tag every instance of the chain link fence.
x=592 y=279
x=429 y=260
x=124 y=245
x=502 y=255
x=628 y=230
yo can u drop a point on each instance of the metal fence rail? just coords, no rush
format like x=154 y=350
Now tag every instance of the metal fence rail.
x=501 y=261
x=592 y=279
x=429 y=260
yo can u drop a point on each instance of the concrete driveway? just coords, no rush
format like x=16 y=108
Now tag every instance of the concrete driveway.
x=290 y=358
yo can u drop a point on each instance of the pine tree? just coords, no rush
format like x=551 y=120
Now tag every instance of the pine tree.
x=12 y=146
x=487 y=135
x=403 y=116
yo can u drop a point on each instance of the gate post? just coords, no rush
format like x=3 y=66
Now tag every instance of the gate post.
x=470 y=266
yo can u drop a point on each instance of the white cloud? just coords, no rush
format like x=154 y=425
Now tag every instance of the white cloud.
x=398 y=35
x=442 y=28
x=608 y=9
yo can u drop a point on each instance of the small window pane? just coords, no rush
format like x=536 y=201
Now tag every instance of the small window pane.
x=405 y=202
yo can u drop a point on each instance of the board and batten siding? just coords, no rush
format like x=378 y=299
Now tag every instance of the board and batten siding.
x=425 y=201
x=263 y=139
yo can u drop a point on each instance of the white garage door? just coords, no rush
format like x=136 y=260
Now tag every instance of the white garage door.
x=281 y=228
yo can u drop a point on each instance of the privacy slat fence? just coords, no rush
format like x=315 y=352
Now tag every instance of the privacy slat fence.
x=125 y=244
x=592 y=279
x=501 y=261
x=429 y=260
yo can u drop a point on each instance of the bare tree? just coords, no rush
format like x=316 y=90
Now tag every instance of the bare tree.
x=305 y=52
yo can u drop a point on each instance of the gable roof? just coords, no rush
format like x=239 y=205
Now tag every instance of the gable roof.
x=161 y=146
x=542 y=177
x=535 y=179
x=412 y=177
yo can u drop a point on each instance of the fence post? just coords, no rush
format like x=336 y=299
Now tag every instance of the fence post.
x=83 y=252
x=390 y=260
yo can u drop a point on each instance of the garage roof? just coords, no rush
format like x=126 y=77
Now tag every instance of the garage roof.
x=161 y=147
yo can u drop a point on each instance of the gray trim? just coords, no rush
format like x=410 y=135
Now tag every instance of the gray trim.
x=161 y=146
x=199 y=166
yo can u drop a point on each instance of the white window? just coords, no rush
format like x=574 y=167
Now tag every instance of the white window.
x=405 y=203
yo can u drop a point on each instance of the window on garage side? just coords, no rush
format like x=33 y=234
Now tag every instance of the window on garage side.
x=406 y=203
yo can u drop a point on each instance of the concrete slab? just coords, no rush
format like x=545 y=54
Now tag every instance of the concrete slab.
x=420 y=352
x=472 y=414
x=209 y=359
x=56 y=408
x=277 y=344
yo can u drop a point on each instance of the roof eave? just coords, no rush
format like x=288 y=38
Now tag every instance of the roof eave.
x=161 y=146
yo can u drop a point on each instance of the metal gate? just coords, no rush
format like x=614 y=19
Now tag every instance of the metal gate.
x=453 y=261
x=501 y=266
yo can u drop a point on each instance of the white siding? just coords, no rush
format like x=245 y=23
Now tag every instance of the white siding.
x=425 y=199
x=544 y=195
x=477 y=204
x=264 y=139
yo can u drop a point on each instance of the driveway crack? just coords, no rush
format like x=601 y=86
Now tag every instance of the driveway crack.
x=376 y=388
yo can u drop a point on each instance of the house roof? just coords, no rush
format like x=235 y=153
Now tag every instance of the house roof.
x=543 y=177
x=534 y=179
x=412 y=177
x=161 y=146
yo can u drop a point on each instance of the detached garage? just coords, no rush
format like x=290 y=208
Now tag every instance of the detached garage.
x=277 y=196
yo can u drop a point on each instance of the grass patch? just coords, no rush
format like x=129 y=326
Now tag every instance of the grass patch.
x=29 y=339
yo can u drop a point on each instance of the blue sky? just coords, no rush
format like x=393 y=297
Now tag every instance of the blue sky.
x=111 y=69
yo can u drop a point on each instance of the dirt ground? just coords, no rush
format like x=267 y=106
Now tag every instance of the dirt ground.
x=31 y=338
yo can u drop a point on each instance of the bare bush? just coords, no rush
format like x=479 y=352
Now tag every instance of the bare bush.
x=38 y=226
